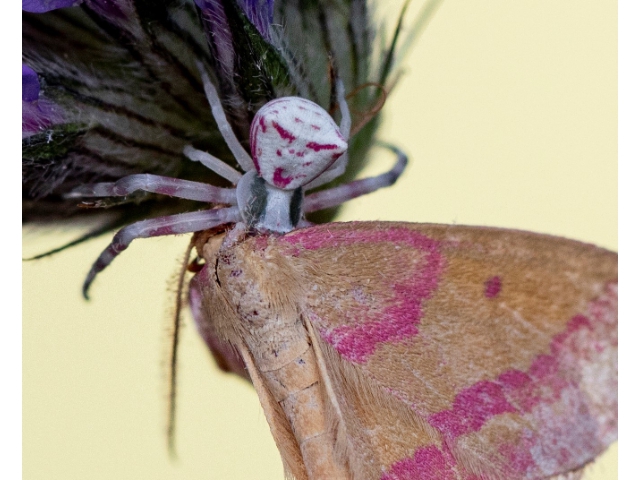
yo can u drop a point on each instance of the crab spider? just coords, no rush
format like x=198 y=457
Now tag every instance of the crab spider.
x=295 y=146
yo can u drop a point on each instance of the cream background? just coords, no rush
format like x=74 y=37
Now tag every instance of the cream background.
x=508 y=111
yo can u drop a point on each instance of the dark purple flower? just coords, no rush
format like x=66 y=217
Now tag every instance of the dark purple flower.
x=42 y=6
x=118 y=91
x=260 y=13
x=37 y=113
x=30 y=84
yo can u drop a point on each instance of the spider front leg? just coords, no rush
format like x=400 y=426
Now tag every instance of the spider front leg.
x=240 y=154
x=212 y=163
x=147 y=182
x=156 y=227
x=342 y=193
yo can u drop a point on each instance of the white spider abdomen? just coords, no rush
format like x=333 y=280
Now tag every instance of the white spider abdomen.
x=293 y=140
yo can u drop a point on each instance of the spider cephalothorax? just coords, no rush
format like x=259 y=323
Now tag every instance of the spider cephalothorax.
x=295 y=146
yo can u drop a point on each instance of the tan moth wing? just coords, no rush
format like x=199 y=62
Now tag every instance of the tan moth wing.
x=440 y=351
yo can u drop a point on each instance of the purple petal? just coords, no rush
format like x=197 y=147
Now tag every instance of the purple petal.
x=38 y=116
x=30 y=84
x=37 y=113
x=260 y=13
x=42 y=6
x=112 y=9
x=217 y=27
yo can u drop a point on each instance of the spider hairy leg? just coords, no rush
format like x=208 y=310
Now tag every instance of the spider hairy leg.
x=156 y=227
x=173 y=187
x=239 y=153
x=342 y=193
x=212 y=163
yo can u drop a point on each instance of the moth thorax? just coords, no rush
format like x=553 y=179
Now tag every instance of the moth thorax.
x=268 y=208
x=294 y=140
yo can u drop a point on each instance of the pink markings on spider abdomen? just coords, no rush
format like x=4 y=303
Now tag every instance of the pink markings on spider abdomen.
x=279 y=180
x=316 y=147
x=492 y=287
x=283 y=132
x=293 y=141
x=370 y=327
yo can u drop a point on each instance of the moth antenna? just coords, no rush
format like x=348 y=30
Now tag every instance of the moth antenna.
x=175 y=337
x=147 y=182
x=333 y=197
x=212 y=163
x=240 y=154
x=156 y=227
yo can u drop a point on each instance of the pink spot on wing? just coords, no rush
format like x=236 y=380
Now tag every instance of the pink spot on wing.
x=471 y=409
x=315 y=127
x=366 y=328
x=279 y=152
x=283 y=132
x=427 y=463
x=316 y=147
x=492 y=287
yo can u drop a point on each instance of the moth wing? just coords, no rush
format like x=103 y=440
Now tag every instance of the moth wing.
x=215 y=319
x=462 y=352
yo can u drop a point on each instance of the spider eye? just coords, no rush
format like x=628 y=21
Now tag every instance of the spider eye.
x=294 y=140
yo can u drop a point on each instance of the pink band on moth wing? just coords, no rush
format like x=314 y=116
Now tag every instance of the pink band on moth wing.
x=534 y=394
x=357 y=341
x=426 y=463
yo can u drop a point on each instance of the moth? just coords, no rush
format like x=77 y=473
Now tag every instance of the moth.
x=389 y=350
x=494 y=284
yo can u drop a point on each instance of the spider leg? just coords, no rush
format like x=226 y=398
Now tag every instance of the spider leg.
x=342 y=193
x=340 y=165
x=240 y=154
x=212 y=163
x=147 y=182
x=345 y=121
x=156 y=227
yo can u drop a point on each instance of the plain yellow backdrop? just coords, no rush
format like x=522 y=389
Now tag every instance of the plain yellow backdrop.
x=509 y=113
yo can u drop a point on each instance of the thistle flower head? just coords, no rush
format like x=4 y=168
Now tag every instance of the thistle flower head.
x=111 y=88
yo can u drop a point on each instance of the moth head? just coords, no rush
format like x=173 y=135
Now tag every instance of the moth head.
x=294 y=140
